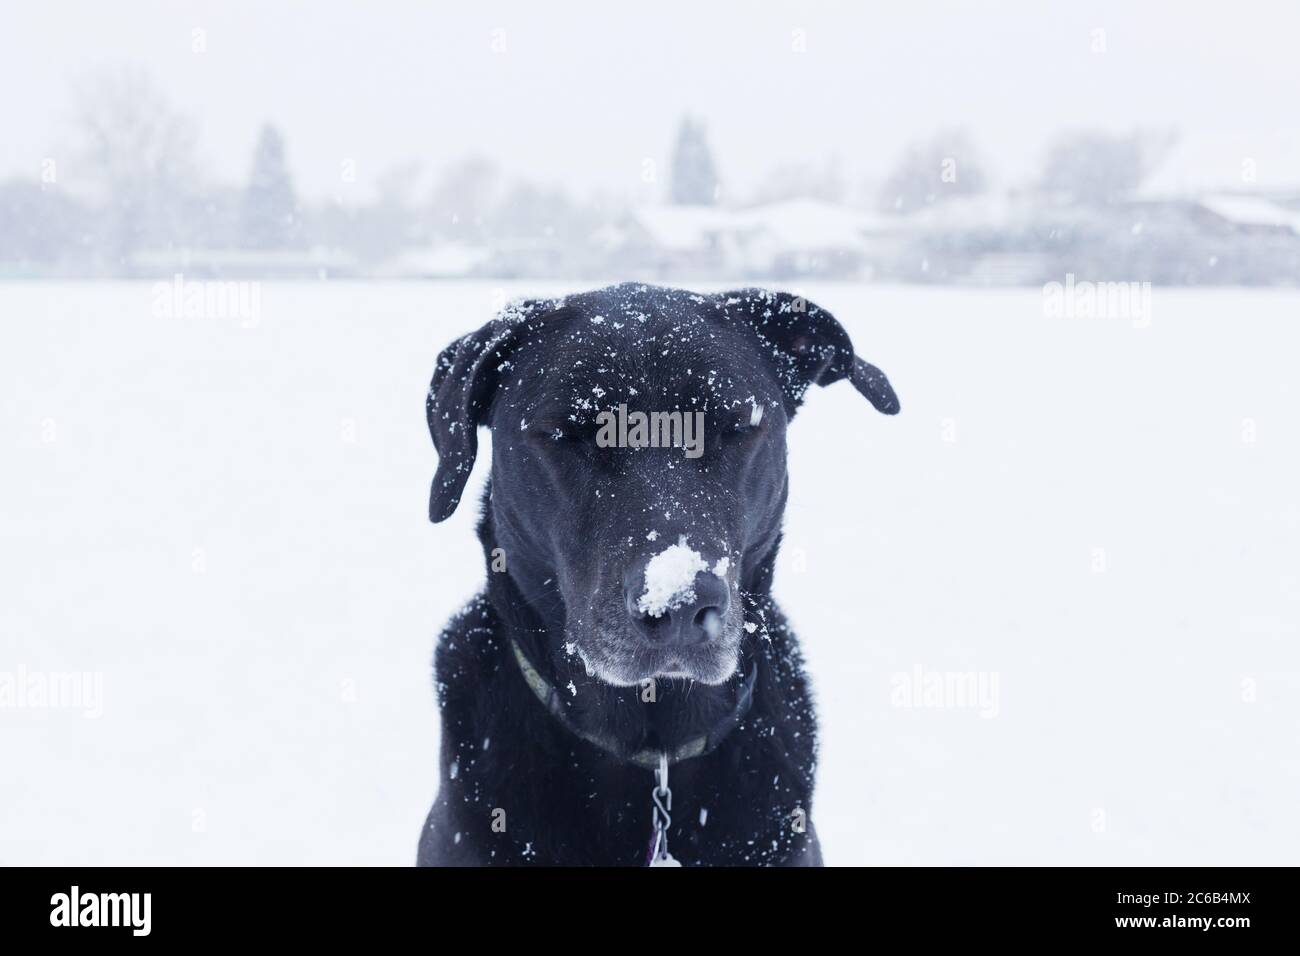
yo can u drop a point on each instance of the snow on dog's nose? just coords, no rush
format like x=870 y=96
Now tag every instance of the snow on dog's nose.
x=675 y=599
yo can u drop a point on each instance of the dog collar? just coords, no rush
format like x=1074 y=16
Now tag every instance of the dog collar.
x=649 y=757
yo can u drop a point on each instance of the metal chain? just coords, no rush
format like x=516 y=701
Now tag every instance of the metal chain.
x=662 y=798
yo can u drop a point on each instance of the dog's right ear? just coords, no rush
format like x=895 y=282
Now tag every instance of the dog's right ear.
x=464 y=386
x=459 y=398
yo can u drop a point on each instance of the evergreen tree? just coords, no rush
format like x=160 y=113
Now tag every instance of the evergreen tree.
x=694 y=177
x=270 y=213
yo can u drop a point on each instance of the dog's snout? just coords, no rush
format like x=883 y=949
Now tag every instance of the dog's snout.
x=696 y=618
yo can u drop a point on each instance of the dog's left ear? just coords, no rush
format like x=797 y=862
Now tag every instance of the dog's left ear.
x=807 y=346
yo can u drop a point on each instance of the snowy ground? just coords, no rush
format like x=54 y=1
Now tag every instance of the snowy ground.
x=228 y=524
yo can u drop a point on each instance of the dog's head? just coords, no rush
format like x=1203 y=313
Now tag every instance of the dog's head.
x=639 y=460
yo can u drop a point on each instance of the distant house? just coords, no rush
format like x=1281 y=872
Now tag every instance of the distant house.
x=989 y=239
x=788 y=238
x=986 y=239
x=811 y=237
x=1252 y=214
x=674 y=241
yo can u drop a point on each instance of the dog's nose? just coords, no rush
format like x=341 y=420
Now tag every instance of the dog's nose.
x=693 y=620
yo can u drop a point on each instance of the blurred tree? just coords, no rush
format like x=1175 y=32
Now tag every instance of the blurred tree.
x=694 y=176
x=1095 y=168
x=270 y=209
x=535 y=211
x=41 y=226
x=140 y=152
x=462 y=198
x=943 y=167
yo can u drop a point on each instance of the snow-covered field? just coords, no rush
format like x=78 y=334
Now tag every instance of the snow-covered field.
x=226 y=526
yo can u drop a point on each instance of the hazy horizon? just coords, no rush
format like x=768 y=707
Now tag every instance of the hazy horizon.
x=583 y=95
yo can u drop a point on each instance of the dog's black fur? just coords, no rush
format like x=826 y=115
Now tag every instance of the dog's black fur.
x=566 y=525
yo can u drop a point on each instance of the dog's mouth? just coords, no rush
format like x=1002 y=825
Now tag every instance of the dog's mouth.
x=621 y=662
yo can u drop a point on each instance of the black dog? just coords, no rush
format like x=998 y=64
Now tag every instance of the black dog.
x=627 y=621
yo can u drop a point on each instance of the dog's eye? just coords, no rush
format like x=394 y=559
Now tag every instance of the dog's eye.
x=747 y=420
x=551 y=431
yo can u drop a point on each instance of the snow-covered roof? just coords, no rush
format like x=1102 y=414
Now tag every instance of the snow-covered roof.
x=684 y=228
x=1208 y=160
x=811 y=223
x=792 y=223
x=1252 y=211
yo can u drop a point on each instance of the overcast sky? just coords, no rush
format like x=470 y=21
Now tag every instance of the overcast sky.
x=584 y=93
